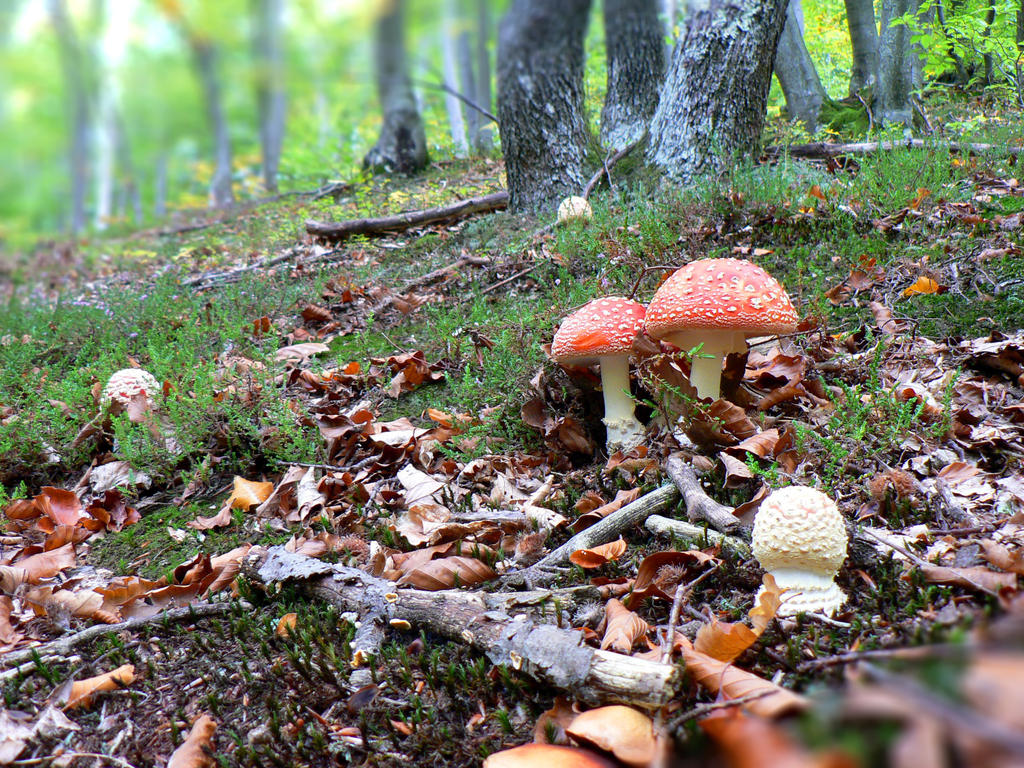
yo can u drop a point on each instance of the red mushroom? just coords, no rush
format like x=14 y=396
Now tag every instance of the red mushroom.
x=602 y=331
x=717 y=304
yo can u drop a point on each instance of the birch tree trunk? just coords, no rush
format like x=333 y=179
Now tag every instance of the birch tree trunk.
x=482 y=139
x=270 y=94
x=796 y=72
x=467 y=83
x=540 y=101
x=452 y=104
x=76 y=90
x=860 y=17
x=635 y=43
x=402 y=144
x=895 y=68
x=713 y=102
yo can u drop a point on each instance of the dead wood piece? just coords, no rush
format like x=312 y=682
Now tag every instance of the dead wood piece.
x=600 y=532
x=383 y=224
x=545 y=652
x=428 y=278
x=606 y=167
x=666 y=526
x=62 y=645
x=823 y=149
x=699 y=506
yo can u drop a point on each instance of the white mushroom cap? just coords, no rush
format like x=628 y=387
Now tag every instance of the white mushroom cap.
x=800 y=538
x=127 y=383
x=574 y=207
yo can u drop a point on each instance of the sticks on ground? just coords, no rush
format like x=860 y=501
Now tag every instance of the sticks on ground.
x=699 y=505
x=493 y=624
x=666 y=526
x=822 y=149
x=384 y=224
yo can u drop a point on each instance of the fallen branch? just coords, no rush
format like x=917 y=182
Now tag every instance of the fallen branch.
x=427 y=279
x=606 y=166
x=666 y=526
x=383 y=224
x=492 y=623
x=699 y=505
x=600 y=532
x=823 y=149
x=62 y=645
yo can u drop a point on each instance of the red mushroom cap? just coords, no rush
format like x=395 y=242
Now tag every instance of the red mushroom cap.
x=605 y=326
x=720 y=294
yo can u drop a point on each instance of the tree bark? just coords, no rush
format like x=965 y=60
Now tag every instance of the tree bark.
x=402 y=145
x=796 y=72
x=986 y=33
x=860 y=18
x=634 y=39
x=895 y=68
x=713 y=101
x=540 y=101
x=958 y=62
x=73 y=64
x=204 y=53
x=467 y=82
x=268 y=54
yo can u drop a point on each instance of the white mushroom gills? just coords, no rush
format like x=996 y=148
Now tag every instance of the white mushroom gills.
x=800 y=539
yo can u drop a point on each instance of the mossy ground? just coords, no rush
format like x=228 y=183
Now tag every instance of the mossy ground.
x=70 y=320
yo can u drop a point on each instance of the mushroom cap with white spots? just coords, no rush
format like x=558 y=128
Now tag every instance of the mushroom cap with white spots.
x=125 y=384
x=801 y=529
x=574 y=207
x=720 y=294
x=605 y=326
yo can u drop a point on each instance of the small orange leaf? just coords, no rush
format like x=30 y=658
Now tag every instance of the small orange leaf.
x=923 y=286
x=625 y=732
x=448 y=572
x=83 y=691
x=622 y=627
x=196 y=751
x=286 y=625
x=547 y=755
x=815 y=191
x=922 y=193
x=598 y=556
x=725 y=641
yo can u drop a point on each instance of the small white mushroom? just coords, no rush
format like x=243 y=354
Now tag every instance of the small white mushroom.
x=800 y=538
x=127 y=383
x=574 y=207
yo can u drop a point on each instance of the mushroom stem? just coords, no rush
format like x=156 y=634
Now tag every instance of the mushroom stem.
x=624 y=431
x=706 y=364
x=806 y=592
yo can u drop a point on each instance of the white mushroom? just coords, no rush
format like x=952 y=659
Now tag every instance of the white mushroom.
x=574 y=207
x=800 y=538
x=127 y=383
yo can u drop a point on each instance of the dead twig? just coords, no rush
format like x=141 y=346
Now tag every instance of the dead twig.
x=853 y=657
x=699 y=506
x=683 y=590
x=507 y=280
x=398 y=222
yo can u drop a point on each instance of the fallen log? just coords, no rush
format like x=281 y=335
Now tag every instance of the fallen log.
x=496 y=624
x=699 y=506
x=820 y=150
x=383 y=224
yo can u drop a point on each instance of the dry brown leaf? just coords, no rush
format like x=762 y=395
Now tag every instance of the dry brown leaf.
x=8 y=636
x=734 y=683
x=754 y=742
x=591 y=514
x=546 y=756
x=1003 y=558
x=623 y=628
x=36 y=568
x=662 y=571
x=296 y=353
x=923 y=286
x=287 y=624
x=977 y=577
x=245 y=494
x=598 y=556
x=83 y=691
x=447 y=573
x=551 y=725
x=197 y=749
x=625 y=732
x=725 y=641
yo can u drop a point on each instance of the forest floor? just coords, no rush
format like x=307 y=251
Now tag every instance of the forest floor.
x=330 y=398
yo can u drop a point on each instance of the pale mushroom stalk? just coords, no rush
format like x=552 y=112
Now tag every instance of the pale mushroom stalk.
x=624 y=431
x=706 y=363
x=806 y=591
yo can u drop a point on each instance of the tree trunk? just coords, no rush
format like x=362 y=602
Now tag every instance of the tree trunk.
x=958 y=63
x=270 y=93
x=986 y=33
x=713 y=101
x=160 y=186
x=402 y=145
x=796 y=72
x=634 y=38
x=895 y=69
x=73 y=63
x=467 y=82
x=540 y=101
x=860 y=17
x=482 y=139
x=1019 y=36
x=451 y=102
x=205 y=55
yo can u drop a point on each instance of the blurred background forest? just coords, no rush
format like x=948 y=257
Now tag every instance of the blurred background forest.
x=127 y=84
